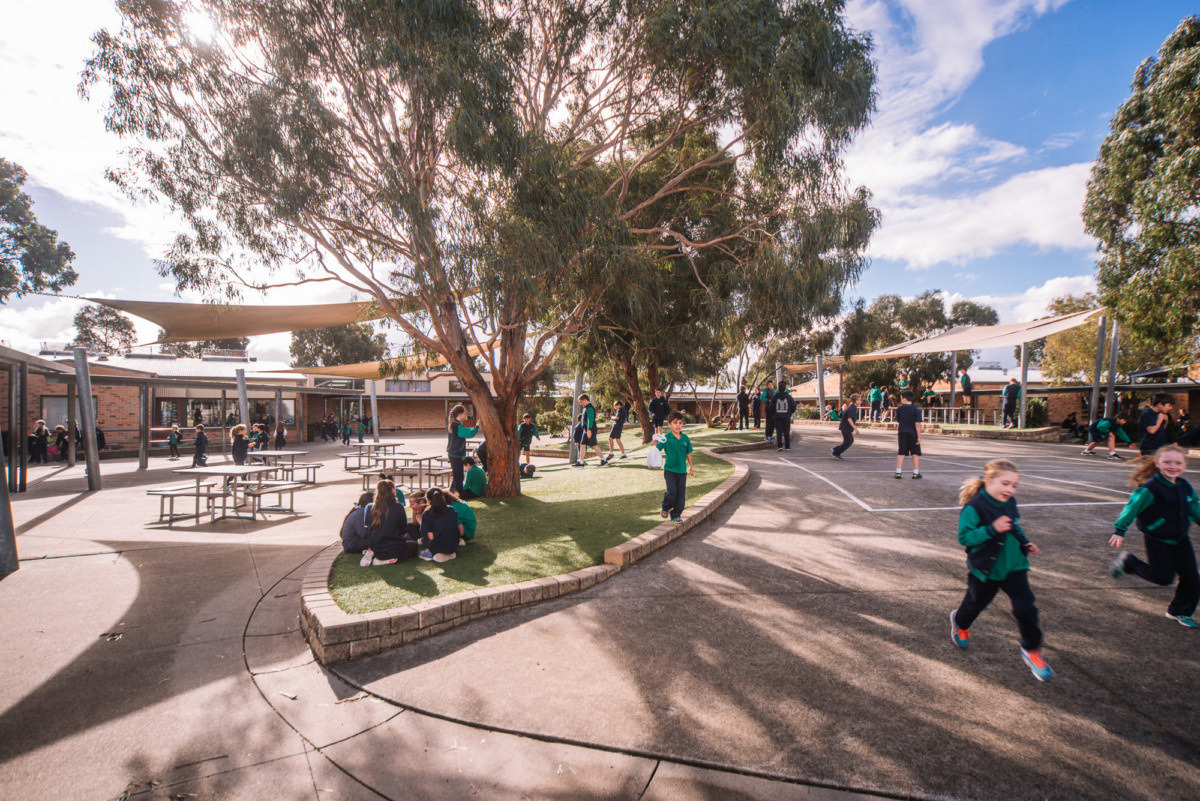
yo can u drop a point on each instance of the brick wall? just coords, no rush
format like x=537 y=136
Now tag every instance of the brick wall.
x=412 y=413
x=116 y=407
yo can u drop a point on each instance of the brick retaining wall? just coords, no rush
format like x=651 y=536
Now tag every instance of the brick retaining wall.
x=338 y=636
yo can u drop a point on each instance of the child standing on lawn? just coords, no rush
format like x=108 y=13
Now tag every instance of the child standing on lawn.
x=1164 y=506
x=677 y=466
x=587 y=431
x=909 y=434
x=457 y=435
x=526 y=432
x=989 y=528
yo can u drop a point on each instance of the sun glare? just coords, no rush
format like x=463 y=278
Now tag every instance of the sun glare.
x=200 y=24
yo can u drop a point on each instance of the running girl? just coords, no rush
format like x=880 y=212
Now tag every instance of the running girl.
x=989 y=528
x=1164 y=506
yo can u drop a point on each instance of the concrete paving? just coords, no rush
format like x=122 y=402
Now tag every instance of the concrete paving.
x=795 y=647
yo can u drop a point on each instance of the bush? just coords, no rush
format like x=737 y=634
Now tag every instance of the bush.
x=689 y=419
x=1037 y=414
x=551 y=422
x=808 y=413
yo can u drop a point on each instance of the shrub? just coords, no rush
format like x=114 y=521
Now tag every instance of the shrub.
x=1037 y=414
x=552 y=422
x=807 y=413
x=689 y=419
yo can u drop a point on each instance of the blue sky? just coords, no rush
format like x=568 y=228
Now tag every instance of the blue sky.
x=990 y=113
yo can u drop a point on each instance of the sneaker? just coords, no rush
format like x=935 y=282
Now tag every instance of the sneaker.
x=461 y=542
x=664 y=515
x=680 y=520
x=579 y=464
x=445 y=557
x=367 y=557
x=624 y=456
x=1086 y=453
x=1117 y=568
x=917 y=475
x=604 y=462
x=961 y=637
x=384 y=562
x=898 y=476
x=426 y=555
x=1112 y=457
x=837 y=456
x=1184 y=620
x=787 y=449
x=779 y=449
x=1041 y=671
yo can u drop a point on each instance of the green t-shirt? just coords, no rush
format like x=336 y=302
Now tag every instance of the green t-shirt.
x=475 y=480
x=466 y=517
x=675 y=451
x=875 y=395
x=902 y=385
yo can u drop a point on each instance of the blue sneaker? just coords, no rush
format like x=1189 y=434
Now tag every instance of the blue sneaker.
x=837 y=456
x=1041 y=671
x=426 y=555
x=664 y=515
x=1184 y=620
x=961 y=637
x=680 y=520
x=1117 y=568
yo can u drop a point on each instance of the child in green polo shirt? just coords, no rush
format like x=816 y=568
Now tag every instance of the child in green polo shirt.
x=475 y=483
x=677 y=466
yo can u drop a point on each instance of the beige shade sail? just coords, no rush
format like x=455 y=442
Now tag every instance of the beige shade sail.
x=373 y=371
x=969 y=338
x=191 y=322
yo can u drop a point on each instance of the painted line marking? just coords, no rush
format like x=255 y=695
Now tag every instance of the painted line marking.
x=827 y=481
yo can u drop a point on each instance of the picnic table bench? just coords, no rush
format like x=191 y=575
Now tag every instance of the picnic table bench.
x=167 y=495
x=257 y=490
x=310 y=471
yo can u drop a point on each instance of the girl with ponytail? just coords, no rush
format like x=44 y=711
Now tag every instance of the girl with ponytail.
x=1164 y=506
x=997 y=549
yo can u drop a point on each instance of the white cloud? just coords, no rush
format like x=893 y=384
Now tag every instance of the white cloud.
x=52 y=322
x=1039 y=208
x=1032 y=303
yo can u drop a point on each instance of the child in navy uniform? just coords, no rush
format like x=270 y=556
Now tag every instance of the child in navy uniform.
x=677 y=466
x=440 y=532
x=1152 y=424
x=659 y=408
x=990 y=529
x=457 y=435
x=847 y=427
x=767 y=396
x=200 y=455
x=1164 y=506
x=909 y=434
x=1010 y=395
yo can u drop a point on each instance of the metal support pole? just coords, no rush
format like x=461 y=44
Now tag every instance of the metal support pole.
x=243 y=404
x=778 y=374
x=1025 y=385
x=278 y=407
x=87 y=418
x=9 y=562
x=1093 y=410
x=820 y=388
x=953 y=382
x=374 y=412
x=574 y=457
x=12 y=428
x=1111 y=399
x=841 y=385
x=23 y=428
x=143 y=427
x=72 y=423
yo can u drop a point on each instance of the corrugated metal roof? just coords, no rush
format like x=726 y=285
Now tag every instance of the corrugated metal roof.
x=223 y=368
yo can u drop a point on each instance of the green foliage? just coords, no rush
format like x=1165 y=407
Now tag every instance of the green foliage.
x=1142 y=199
x=340 y=344
x=808 y=413
x=101 y=329
x=194 y=350
x=1037 y=413
x=890 y=320
x=31 y=257
x=552 y=422
x=1071 y=355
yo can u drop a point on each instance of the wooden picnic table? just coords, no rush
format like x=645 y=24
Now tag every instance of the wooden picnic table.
x=382 y=447
x=422 y=465
x=229 y=474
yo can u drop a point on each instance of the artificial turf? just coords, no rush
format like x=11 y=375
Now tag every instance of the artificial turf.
x=564 y=521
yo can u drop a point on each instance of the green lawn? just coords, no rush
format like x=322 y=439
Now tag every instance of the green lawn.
x=701 y=435
x=564 y=520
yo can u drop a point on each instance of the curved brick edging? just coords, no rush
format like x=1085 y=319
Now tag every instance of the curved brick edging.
x=338 y=636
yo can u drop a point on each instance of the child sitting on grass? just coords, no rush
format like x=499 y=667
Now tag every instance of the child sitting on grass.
x=354 y=526
x=386 y=522
x=677 y=466
x=439 y=528
x=1164 y=506
x=997 y=549
x=475 y=483
x=466 y=517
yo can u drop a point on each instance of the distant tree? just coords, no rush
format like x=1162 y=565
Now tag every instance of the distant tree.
x=31 y=257
x=194 y=350
x=1070 y=357
x=103 y=330
x=341 y=344
x=1143 y=198
x=890 y=320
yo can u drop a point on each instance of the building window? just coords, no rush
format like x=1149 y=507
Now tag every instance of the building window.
x=406 y=386
x=456 y=386
x=54 y=410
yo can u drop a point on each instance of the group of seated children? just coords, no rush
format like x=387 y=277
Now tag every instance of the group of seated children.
x=378 y=526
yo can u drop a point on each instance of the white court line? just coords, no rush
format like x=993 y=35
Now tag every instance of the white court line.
x=1041 y=478
x=872 y=510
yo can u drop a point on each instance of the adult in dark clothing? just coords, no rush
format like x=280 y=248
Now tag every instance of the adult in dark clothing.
x=784 y=407
x=1153 y=422
x=743 y=400
x=386 y=522
x=280 y=436
x=846 y=424
x=768 y=401
x=39 y=450
x=100 y=441
x=756 y=402
x=60 y=442
x=659 y=408
x=200 y=454
x=1011 y=394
